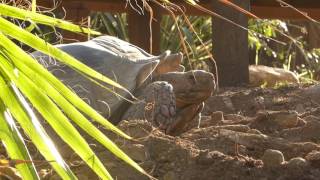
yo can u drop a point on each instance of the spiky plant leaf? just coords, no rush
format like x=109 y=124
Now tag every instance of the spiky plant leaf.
x=13 y=142
x=22 y=112
x=6 y=10
x=24 y=77
x=55 y=117
x=72 y=112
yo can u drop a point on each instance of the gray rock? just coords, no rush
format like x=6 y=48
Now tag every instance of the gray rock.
x=272 y=158
x=297 y=162
x=312 y=93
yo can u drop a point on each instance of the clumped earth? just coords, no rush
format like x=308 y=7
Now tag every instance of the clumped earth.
x=245 y=133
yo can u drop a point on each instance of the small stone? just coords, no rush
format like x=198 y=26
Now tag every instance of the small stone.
x=272 y=158
x=314 y=155
x=286 y=119
x=312 y=92
x=314 y=158
x=270 y=76
x=271 y=121
x=297 y=162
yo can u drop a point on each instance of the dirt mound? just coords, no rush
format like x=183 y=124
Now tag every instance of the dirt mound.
x=244 y=134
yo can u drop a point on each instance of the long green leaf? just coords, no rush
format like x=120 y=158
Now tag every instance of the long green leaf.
x=14 y=144
x=23 y=113
x=76 y=116
x=6 y=10
x=56 y=118
x=31 y=40
x=19 y=56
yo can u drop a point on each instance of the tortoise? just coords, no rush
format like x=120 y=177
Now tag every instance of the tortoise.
x=168 y=97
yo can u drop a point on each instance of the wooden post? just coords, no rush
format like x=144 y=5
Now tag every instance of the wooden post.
x=139 y=30
x=230 y=44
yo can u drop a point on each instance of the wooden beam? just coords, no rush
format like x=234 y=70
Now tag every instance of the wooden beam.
x=266 y=9
x=284 y=13
x=230 y=48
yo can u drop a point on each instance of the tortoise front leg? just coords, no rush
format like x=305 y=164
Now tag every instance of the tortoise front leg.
x=157 y=105
x=186 y=119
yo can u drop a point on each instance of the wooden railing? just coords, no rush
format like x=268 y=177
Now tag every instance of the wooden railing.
x=230 y=49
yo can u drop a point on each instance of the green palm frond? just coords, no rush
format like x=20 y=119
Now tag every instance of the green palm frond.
x=23 y=80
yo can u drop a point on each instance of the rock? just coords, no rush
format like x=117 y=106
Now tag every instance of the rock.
x=272 y=158
x=270 y=121
x=297 y=163
x=270 y=76
x=309 y=132
x=312 y=93
x=285 y=119
x=314 y=158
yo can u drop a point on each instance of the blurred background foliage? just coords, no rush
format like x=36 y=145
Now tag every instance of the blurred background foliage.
x=300 y=53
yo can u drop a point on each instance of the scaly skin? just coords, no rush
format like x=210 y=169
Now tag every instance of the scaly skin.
x=174 y=101
x=157 y=105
